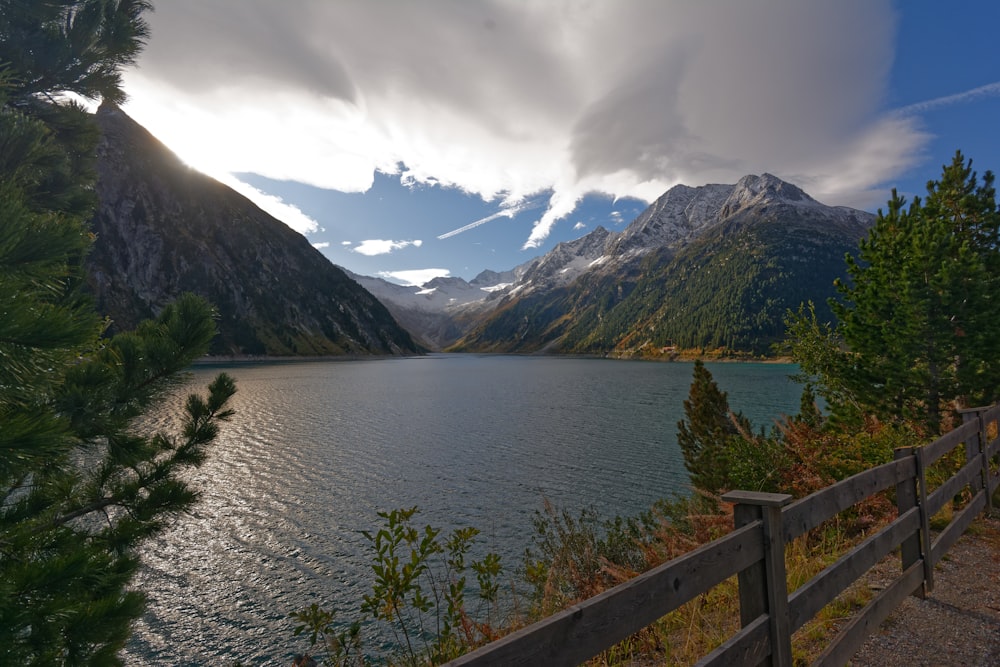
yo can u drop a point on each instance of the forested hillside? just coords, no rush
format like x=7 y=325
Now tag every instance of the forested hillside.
x=714 y=268
x=729 y=289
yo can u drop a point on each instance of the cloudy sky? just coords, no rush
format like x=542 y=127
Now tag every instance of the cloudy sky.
x=411 y=138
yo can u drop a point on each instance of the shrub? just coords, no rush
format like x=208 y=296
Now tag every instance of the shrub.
x=419 y=594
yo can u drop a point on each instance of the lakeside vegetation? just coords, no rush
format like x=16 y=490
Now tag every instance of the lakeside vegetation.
x=913 y=342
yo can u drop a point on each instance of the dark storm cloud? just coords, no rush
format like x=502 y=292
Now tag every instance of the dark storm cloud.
x=475 y=57
x=208 y=46
x=639 y=126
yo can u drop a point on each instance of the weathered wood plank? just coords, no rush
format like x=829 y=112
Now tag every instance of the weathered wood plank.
x=584 y=630
x=747 y=648
x=992 y=414
x=992 y=478
x=850 y=639
x=991 y=451
x=823 y=588
x=807 y=513
x=975 y=450
x=925 y=519
x=984 y=481
x=949 y=441
x=777 y=587
x=943 y=495
x=975 y=446
x=758 y=498
x=752 y=580
x=906 y=499
x=959 y=524
x=764 y=586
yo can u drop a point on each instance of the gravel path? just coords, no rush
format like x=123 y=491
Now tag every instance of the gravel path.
x=959 y=622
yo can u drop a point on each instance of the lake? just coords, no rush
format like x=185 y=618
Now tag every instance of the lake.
x=317 y=448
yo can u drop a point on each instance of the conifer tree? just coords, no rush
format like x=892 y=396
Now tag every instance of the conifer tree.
x=705 y=436
x=917 y=320
x=809 y=412
x=81 y=484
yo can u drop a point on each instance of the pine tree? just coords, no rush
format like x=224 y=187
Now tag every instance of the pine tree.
x=706 y=435
x=809 y=412
x=963 y=210
x=81 y=484
x=56 y=47
x=915 y=337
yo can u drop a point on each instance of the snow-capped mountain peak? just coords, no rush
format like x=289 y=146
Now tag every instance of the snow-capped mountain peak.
x=752 y=190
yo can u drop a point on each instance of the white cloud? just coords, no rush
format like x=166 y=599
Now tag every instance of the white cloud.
x=414 y=277
x=321 y=245
x=623 y=98
x=289 y=214
x=509 y=211
x=852 y=173
x=505 y=213
x=372 y=247
x=563 y=202
x=578 y=226
x=989 y=90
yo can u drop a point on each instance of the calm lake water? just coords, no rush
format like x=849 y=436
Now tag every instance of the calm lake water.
x=316 y=449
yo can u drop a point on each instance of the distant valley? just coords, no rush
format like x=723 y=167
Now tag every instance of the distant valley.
x=702 y=268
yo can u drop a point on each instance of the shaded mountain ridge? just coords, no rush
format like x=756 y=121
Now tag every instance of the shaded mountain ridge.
x=163 y=228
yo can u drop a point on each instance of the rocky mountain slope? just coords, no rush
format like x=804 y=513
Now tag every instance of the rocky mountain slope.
x=163 y=229
x=715 y=266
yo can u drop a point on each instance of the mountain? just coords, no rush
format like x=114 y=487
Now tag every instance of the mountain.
x=163 y=229
x=715 y=266
x=436 y=311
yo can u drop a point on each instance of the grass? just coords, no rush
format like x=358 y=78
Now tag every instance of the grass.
x=698 y=627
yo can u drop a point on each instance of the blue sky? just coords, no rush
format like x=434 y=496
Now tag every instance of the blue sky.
x=439 y=137
x=434 y=216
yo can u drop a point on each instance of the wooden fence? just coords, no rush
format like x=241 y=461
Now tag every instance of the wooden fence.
x=755 y=552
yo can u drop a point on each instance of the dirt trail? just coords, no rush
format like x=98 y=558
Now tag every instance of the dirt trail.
x=958 y=624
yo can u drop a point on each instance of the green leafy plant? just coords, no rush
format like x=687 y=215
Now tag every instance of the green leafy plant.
x=418 y=593
x=341 y=648
x=397 y=585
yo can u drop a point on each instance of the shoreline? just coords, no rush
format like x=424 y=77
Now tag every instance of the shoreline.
x=249 y=359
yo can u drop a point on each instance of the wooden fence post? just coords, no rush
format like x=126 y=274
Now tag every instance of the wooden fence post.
x=906 y=499
x=979 y=448
x=925 y=519
x=763 y=586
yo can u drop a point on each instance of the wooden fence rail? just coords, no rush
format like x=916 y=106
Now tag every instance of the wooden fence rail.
x=755 y=552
